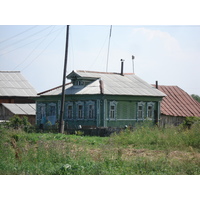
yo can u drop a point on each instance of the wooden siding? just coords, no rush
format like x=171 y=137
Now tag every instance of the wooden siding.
x=126 y=109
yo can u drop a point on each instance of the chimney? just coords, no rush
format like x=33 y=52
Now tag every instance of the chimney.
x=122 y=67
x=156 y=84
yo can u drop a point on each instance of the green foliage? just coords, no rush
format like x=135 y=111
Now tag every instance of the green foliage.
x=189 y=121
x=145 y=150
x=196 y=97
x=17 y=122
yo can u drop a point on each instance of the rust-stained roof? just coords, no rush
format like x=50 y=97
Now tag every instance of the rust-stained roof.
x=178 y=102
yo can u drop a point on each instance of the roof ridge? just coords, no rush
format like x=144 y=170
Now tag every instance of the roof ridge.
x=10 y=72
x=53 y=89
x=97 y=72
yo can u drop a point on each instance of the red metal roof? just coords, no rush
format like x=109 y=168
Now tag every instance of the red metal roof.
x=178 y=102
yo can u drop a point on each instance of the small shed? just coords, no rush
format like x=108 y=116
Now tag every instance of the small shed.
x=16 y=96
x=8 y=110
x=177 y=105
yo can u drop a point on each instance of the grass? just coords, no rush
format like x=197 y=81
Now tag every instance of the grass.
x=146 y=150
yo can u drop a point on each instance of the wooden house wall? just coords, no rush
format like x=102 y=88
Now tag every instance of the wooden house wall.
x=126 y=110
x=16 y=100
x=167 y=120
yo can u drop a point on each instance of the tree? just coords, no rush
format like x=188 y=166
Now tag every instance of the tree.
x=196 y=97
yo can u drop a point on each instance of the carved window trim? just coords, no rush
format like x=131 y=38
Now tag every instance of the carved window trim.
x=69 y=112
x=113 y=110
x=150 y=110
x=140 y=110
x=80 y=110
x=90 y=110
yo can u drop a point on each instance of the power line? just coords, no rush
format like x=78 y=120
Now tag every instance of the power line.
x=108 y=48
x=10 y=38
x=42 y=51
x=35 y=48
x=29 y=43
x=99 y=52
x=25 y=38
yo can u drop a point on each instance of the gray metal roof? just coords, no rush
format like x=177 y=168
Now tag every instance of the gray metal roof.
x=12 y=83
x=112 y=84
x=21 y=109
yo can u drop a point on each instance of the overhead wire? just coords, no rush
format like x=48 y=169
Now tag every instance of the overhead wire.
x=35 y=48
x=42 y=51
x=10 y=38
x=5 y=47
x=29 y=43
x=99 y=52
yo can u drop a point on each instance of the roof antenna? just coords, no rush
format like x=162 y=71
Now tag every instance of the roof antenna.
x=133 y=57
x=108 y=48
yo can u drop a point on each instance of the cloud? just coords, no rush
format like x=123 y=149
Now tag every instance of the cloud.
x=159 y=38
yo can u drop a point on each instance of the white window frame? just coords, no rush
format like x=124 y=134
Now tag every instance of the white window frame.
x=90 y=110
x=52 y=105
x=140 y=113
x=41 y=111
x=150 y=116
x=78 y=111
x=113 y=110
x=67 y=110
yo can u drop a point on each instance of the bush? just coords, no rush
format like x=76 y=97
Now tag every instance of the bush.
x=17 y=122
x=189 y=121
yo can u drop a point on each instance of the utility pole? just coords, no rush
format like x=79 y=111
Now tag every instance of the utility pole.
x=133 y=57
x=108 y=48
x=61 y=124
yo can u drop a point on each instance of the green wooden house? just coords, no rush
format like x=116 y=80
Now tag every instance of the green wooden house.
x=101 y=100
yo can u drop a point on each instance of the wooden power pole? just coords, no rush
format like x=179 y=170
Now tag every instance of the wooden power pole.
x=61 y=124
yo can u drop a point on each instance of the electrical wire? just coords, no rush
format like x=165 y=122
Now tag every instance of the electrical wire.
x=99 y=53
x=28 y=43
x=5 y=47
x=41 y=51
x=10 y=38
x=35 y=48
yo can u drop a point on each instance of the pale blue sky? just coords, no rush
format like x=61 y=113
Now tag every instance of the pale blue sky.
x=169 y=54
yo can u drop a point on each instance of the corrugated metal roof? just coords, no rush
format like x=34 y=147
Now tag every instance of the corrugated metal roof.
x=178 y=102
x=12 y=83
x=113 y=84
x=21 y=109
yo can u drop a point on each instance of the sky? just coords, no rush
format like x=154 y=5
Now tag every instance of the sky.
x=162 y=35
x=169 y=54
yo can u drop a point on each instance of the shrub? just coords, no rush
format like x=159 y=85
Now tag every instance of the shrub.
x=189 y=121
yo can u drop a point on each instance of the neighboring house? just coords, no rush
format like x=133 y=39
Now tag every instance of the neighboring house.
x=14 y=90
x=177 y=105
x=101 y=100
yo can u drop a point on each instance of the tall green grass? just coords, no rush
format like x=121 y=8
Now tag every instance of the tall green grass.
x=145 y=150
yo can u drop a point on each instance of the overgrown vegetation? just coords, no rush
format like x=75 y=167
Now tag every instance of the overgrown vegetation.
x=196 y=97
x=145 y=150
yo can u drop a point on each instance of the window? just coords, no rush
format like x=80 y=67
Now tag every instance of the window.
x=90 y=109
x=52 y=109
x=41 y=111
x=79 y=110
x=113 y=110
x=150 y=110
x=69 y=110
x=140 y=111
